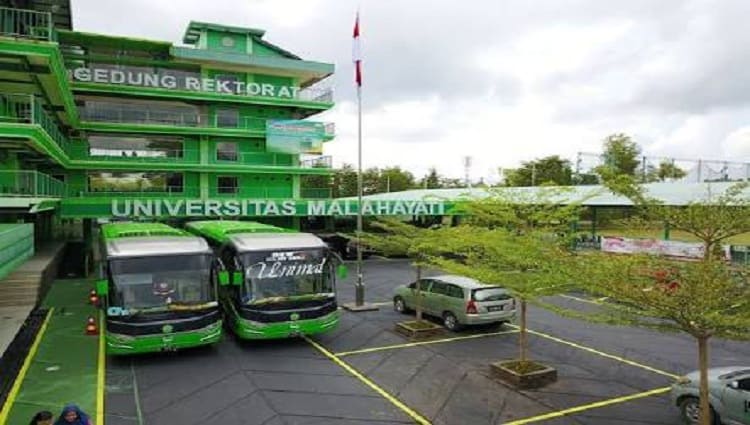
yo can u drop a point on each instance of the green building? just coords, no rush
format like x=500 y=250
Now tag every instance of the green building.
x=101 y=126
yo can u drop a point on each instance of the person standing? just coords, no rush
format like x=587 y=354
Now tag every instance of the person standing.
x=42 y=418
x=73 y=415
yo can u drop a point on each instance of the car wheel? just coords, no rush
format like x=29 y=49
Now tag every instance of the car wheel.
x=451 y=322
x=690 y=411
x=399 y=305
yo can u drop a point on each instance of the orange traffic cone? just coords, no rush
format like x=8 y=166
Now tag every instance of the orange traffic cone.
x=93 y=297
x=91 y=328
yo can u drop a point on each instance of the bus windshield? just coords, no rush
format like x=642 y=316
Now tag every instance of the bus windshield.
x=284 y=275
x=162 y=281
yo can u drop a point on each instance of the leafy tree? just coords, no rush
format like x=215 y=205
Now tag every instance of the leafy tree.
x=397 y=238
x=667 y=170
x=345 y=182
x=620 y=157
x=517 y=241
x=431 y=180
x=703 y=299
x=370 y=181
x=394 y=179
x=547 y=170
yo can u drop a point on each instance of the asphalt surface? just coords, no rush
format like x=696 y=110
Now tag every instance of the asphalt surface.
x=291 y=382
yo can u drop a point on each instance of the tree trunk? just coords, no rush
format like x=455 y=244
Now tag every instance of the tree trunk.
x=522 y=341
x=418 y=296
x=705 y=410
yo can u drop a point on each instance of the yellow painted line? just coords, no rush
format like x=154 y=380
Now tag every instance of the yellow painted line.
x=600 y=353
x=24 y=368
x=590 y=406
x=416 y=417
x=382 y=303
x=100 y=373
x=583 y=300
x=416 y=344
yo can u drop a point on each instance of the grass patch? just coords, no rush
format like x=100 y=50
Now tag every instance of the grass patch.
x=419 y=324
x=523 y=367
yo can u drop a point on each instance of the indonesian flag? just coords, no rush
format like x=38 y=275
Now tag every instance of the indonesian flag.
x=356 y=54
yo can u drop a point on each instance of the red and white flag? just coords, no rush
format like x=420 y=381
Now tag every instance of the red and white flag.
x=356 y=54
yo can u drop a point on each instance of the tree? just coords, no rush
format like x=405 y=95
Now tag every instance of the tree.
x=401 y=239
x=547 y=170
x=667 y=170
x=371 y=181
x=704 y=299
x=519 y=242
x=394 y=179
x=431 y=180
x=620 y=156
x=345 y=182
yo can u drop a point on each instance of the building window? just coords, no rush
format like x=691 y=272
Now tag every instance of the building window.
x=227 y=118
x=226 y=151
x=135 y=146
x=227 y=185
x=135 y=182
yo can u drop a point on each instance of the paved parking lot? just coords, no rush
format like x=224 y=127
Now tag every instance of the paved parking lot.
x=364 y=373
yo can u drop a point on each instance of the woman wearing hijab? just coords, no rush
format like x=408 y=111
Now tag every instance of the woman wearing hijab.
x=73 y=415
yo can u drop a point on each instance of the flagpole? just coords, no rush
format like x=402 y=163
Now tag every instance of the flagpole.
x=360 y=287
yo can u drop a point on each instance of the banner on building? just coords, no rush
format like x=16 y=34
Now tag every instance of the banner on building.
x=295 y=136
x=676 y=249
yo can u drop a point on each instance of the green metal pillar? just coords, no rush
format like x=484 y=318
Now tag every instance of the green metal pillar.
x=88 y=241
x=666 y=231
x=593 y=222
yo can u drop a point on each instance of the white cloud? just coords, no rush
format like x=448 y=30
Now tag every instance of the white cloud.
x=501 y=82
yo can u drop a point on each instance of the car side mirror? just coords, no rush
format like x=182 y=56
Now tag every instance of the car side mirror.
x=735 y=385
x=224 y=278
x=342 y=271
x=102 y=287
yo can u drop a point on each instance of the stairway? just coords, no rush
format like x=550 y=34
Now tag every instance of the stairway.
x=29 y=281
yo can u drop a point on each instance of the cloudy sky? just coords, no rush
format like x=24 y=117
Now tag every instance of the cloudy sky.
x=501 y=81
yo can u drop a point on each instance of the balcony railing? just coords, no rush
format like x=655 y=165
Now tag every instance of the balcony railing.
x=31 y=184
x=27 y=109
x=26 y=24
x=324 y=161
x=186 y=192
x=140 y=116
x=187 y=156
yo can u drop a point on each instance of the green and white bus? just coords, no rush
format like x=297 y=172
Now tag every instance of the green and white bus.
x=158 y=288
x=273 y=282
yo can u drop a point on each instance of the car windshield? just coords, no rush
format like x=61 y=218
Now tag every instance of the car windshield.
x=490 y=294
x=280 y=275
x=162 y=281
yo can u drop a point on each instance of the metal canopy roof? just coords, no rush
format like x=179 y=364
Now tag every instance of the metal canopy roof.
x=675 y=194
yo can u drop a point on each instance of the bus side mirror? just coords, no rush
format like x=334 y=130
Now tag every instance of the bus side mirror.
x=102 y=287
x=224 y=278
x=342 y=271
x=237 y=278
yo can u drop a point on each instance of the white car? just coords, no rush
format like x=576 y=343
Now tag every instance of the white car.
x=729 y=395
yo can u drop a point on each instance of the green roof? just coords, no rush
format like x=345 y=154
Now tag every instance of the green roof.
x=675 y=194
x=126 y=230
x=221 y=230
x=193 y=31
x=87 y=39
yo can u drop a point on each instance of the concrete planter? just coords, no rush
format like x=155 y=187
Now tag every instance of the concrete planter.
x=541 y=376
x=418 y=330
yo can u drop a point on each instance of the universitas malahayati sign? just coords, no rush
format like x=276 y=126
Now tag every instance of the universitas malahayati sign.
x=267 y=207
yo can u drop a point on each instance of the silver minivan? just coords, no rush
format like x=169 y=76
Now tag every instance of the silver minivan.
x=458 y=301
